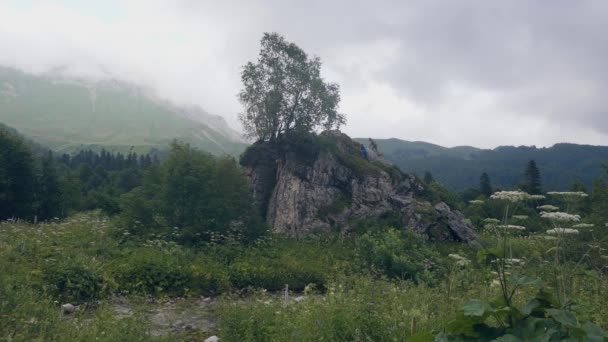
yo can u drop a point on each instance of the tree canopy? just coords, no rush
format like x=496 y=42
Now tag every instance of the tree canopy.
x=532 y=180
x=283 y=91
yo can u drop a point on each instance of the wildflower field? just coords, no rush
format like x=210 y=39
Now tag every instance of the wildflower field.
x=541 y=272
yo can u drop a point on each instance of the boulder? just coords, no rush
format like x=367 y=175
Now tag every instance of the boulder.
x=320 y=183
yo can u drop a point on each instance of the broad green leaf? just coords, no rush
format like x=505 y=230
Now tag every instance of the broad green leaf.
x=564 y=317
x=594 y=333
x=508 y=338
x=477 y=307
x=531 y=306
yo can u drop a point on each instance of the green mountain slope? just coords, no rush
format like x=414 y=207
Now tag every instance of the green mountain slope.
x=67 y=115
x=460 y=167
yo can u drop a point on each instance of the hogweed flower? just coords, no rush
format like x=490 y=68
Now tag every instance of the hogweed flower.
x=476 y=202
x=460 y=260
x=583 y=225
x=520 y=217
x=569 y=194
x=560 y=216
x=511 y=196
x=556 y=231
x=512 y=227
x=515 y=196
x=547 y=207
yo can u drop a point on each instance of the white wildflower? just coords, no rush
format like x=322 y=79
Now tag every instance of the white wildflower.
x=549 y=238
x=491 y=221
x=460 y=260
x=560 y=216
x=512 y=196
x=555 y=231
x=475 y=202
x=547 y=207
x=568 y=193
x=520 y=217
x=583 y=225
x=515 y=196
x=511 y=227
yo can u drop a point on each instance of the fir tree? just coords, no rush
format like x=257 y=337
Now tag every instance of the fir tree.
x=428 y=177
x=532 y=179
x=485 y=187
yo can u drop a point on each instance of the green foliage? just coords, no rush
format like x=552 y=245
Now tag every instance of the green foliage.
x=428 y=177
x=540 y=319
x=191 y=196
x=284 y=91
x=485 y=187
x=532 y=180
x=17 y=177
x=436 y=192
x=74 y=283
x=148 y=272
x=459 y=167
x=397 y=254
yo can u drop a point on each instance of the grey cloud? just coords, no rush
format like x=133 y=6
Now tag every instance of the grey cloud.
x=538 y=61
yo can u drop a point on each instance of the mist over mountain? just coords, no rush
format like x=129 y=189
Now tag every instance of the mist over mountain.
x=460 y=167
x=67 y=114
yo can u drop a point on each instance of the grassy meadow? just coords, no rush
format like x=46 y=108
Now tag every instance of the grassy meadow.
x=378 y=284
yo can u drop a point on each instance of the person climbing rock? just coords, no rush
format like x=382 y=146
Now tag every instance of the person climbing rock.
x=364 y=152
x=374 y=147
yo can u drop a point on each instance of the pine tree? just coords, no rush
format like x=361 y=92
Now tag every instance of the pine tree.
x=428 y=177
x=485 y=187
x=16 y=177
x=532 y=179
x=49 y=190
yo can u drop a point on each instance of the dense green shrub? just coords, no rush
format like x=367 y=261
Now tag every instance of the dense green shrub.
x=195 y=193
x=274 y=273
x=74 y=282
x=397 y=254
x=150 y=272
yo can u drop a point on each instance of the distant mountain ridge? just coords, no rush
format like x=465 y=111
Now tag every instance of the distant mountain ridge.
x=460 y=167
x=68 y=114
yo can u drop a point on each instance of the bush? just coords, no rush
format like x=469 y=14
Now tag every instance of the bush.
x=396 y=254
x=151 y=272
x=74 y=283
x=273 y=274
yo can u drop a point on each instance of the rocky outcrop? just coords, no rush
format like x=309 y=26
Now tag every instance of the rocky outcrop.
x=322 y=183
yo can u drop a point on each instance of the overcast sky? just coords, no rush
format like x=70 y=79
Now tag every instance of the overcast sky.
x=482 y=73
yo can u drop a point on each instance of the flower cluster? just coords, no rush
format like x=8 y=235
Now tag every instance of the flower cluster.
x=512 y=227
x=512 y=196
x=460 y=260
x=583 y=225
x=547 y=207
x=515 y=196
x=555 y=231
x=475 y=202
x=491 y=221
x=560 y=216
x=568 y=193
x=520 y=217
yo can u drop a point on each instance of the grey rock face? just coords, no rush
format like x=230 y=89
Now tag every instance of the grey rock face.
x=323 y=193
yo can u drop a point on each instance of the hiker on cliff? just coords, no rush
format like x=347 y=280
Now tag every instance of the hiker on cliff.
x=364 y=152
x=374 y=147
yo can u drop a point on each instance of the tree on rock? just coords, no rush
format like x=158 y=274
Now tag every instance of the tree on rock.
x=532 y=184
x=283 y=91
